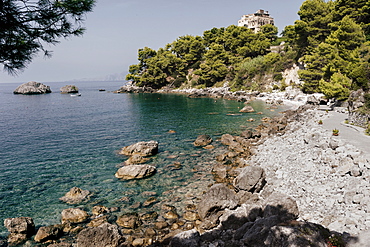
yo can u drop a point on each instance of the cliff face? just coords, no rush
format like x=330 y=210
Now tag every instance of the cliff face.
x=291 y=75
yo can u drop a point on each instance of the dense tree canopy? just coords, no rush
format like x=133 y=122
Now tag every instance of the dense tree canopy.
x=330 y=39
x=209 y=59
x=25 y=26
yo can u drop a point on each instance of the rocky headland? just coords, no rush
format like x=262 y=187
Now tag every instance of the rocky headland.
x=289 y=182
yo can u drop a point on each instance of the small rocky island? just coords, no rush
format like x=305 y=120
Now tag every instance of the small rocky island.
x=32 y=87
x=69 y=89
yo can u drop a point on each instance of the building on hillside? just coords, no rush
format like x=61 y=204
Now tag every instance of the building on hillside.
x=256 y=20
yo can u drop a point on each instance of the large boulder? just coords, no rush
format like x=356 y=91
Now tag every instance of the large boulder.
x=250 y=178
x=189 y=238
x=281 y=205
x=32 y=87
x=69 y=89
x=76 y=196
x=141 y=148
x=202 y=140
x=74 y=215
x=227 y=139
x=20 y=229
x=135 y=172
x=217 y=198
x=266 y=232
x=47 y=233
x=103 y=235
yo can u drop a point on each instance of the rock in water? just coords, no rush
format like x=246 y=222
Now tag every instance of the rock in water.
x=202 y=140
x=46 y=233
x=247 y=108
x=76 y=196
x=69 y=89
x=141 y=148
x=135 y=172
x=32 y=87
x=74 y=215
x=20 y=229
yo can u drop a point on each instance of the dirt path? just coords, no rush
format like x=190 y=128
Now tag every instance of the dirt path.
x=348 y=133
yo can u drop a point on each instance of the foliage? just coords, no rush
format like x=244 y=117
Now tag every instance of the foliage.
x=26 y=26
x=337 y=87
x=329 y=40
x=313 y=26
x=358 y=10
x=335 y=58
x=212 y=57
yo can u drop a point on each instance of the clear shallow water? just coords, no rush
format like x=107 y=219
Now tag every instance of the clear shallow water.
x=50 y=143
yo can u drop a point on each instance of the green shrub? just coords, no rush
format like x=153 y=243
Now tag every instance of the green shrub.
x=278 y=76
x=367 y=100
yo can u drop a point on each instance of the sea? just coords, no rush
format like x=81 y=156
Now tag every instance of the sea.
x=52 y=142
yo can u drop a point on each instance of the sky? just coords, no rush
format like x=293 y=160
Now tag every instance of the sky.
x=116 y=29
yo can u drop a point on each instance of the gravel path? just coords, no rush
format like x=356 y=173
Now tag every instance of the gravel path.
x=348 y=133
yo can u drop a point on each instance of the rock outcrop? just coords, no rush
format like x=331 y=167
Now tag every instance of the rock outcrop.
x=20 y=229
x=135 y=89
x=47 y=233
x=218 y=197
x=32 y=87
x=356 y=117
x=69 y=89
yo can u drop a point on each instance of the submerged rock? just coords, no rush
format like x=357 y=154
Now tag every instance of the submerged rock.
x=247 y=109
x=69 y=89
x=129 y=221
x=32 y=87
x=76 y=196
x=136 y=159
x=143 y=149
x=203 y=140
x=135 y=172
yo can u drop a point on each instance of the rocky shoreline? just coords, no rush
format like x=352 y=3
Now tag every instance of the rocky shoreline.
x=287 y=183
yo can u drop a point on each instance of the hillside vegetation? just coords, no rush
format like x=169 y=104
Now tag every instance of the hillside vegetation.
x=331 y=41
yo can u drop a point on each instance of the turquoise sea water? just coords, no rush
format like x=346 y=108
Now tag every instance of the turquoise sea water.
x=51 y=143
